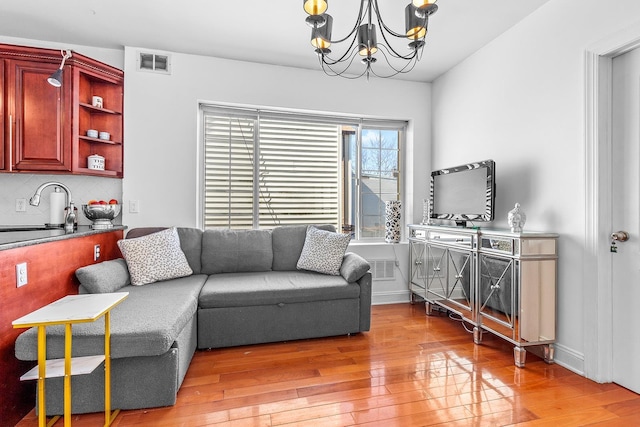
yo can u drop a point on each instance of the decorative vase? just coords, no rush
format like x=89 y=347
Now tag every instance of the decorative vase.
x=516 y=219
x=426 y=211
x=392 y=221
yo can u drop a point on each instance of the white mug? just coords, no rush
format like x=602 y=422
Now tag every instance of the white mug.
x=96 y=101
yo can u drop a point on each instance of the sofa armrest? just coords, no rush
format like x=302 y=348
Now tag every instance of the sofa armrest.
x=353 y=267
x=365 y=301
x=106 y=276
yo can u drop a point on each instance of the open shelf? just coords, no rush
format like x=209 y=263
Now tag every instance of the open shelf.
x=98 y=110
x=98 y=172
x=108 y=118
x=98 y=140
x=55 y=367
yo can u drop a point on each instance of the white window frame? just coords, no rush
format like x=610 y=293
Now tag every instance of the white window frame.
x=358 y=123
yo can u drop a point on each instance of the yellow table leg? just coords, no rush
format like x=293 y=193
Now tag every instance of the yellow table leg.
x=108 y=416
x=68 y=334
x=42 y=372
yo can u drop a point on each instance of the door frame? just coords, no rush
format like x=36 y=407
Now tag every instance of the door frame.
x=597 y=264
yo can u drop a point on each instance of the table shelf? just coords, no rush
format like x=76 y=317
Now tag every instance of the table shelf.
x=55 y=367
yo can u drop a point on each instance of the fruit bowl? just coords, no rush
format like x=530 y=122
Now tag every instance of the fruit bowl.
x=101 y=215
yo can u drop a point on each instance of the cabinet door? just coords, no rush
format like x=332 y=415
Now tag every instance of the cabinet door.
x=417 y=260
x=497 y=294
x=459 y=278
x=436 y=272
x=41 y=113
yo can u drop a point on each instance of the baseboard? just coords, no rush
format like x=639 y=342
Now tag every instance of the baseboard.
x=568 y=358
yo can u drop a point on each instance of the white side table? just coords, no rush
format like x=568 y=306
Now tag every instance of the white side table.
x=67 y=311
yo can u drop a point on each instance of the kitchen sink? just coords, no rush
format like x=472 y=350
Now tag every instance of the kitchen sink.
x=6 y=228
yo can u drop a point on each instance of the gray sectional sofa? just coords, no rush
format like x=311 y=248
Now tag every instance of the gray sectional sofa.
x=244 y=289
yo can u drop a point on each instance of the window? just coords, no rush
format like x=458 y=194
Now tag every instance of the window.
x=263 y=169
x=378 y=178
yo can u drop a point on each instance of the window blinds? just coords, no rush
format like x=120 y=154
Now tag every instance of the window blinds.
x=261 y=171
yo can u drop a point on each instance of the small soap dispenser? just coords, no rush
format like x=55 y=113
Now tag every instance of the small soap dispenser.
x=57 y=203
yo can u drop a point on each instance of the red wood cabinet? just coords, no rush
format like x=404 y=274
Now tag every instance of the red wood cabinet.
x=45 y=128
x=38 y=113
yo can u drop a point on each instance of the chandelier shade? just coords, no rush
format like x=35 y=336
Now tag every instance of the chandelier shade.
x=321 y=36
x=367 y=43
x=315 y=7
x=370 y=38
x=419 y=3
x=416 y=27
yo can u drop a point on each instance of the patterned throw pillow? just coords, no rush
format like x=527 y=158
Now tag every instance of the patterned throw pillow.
x=323 y=251
x=155 y=257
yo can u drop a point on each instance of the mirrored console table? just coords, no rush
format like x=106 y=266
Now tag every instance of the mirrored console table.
x=497 y=281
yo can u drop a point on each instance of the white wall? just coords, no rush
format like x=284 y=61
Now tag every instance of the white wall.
x=161 y=132
x=520 y=101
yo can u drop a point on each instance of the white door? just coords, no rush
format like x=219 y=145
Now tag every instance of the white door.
x=626 y=217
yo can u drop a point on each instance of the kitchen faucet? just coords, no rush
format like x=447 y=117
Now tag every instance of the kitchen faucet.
x=70 y=218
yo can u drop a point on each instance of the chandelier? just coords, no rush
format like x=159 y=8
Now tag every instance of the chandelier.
x=363 y=39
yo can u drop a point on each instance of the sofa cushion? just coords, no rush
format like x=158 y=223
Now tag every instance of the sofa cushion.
x=274 y=287
x=190 y=242
x=155 y=257
x=288 y=241
x=323 y=251
x=353 y=267
x=104 y=277
x=146 y=323
x=231 y=251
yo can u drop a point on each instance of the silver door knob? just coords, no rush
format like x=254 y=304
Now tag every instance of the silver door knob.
x=620 y=236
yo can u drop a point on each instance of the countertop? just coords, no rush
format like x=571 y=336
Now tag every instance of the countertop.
x=17 y=239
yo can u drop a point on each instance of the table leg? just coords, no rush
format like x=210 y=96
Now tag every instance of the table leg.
x=108 y=416
x=68 y=334
x=42 y=373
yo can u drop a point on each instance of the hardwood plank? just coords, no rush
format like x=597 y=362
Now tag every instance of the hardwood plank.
x=409 y=370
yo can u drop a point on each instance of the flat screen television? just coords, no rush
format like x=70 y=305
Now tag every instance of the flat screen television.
x=464 y=193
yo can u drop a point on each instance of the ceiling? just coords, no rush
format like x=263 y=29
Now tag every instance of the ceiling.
x=270 y=32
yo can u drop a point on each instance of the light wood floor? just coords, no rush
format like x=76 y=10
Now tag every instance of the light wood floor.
x=409 y=370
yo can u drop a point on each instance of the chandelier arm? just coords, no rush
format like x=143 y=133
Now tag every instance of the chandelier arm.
x=335 y=73
x=355 y=27
x=402 y=70
x=351 y=52
x=394 y=52
x=410 y=62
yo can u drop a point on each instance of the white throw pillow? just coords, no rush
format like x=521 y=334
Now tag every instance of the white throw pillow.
x=323 y=251
x=154 y=257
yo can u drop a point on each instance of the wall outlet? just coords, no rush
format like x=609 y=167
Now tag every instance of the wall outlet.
x=96 y=252
x=134 y=206
x=21 y=205
x=21 y=274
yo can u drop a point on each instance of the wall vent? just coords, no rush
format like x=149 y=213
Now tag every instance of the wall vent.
x=154 y=62
x=383 y=269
